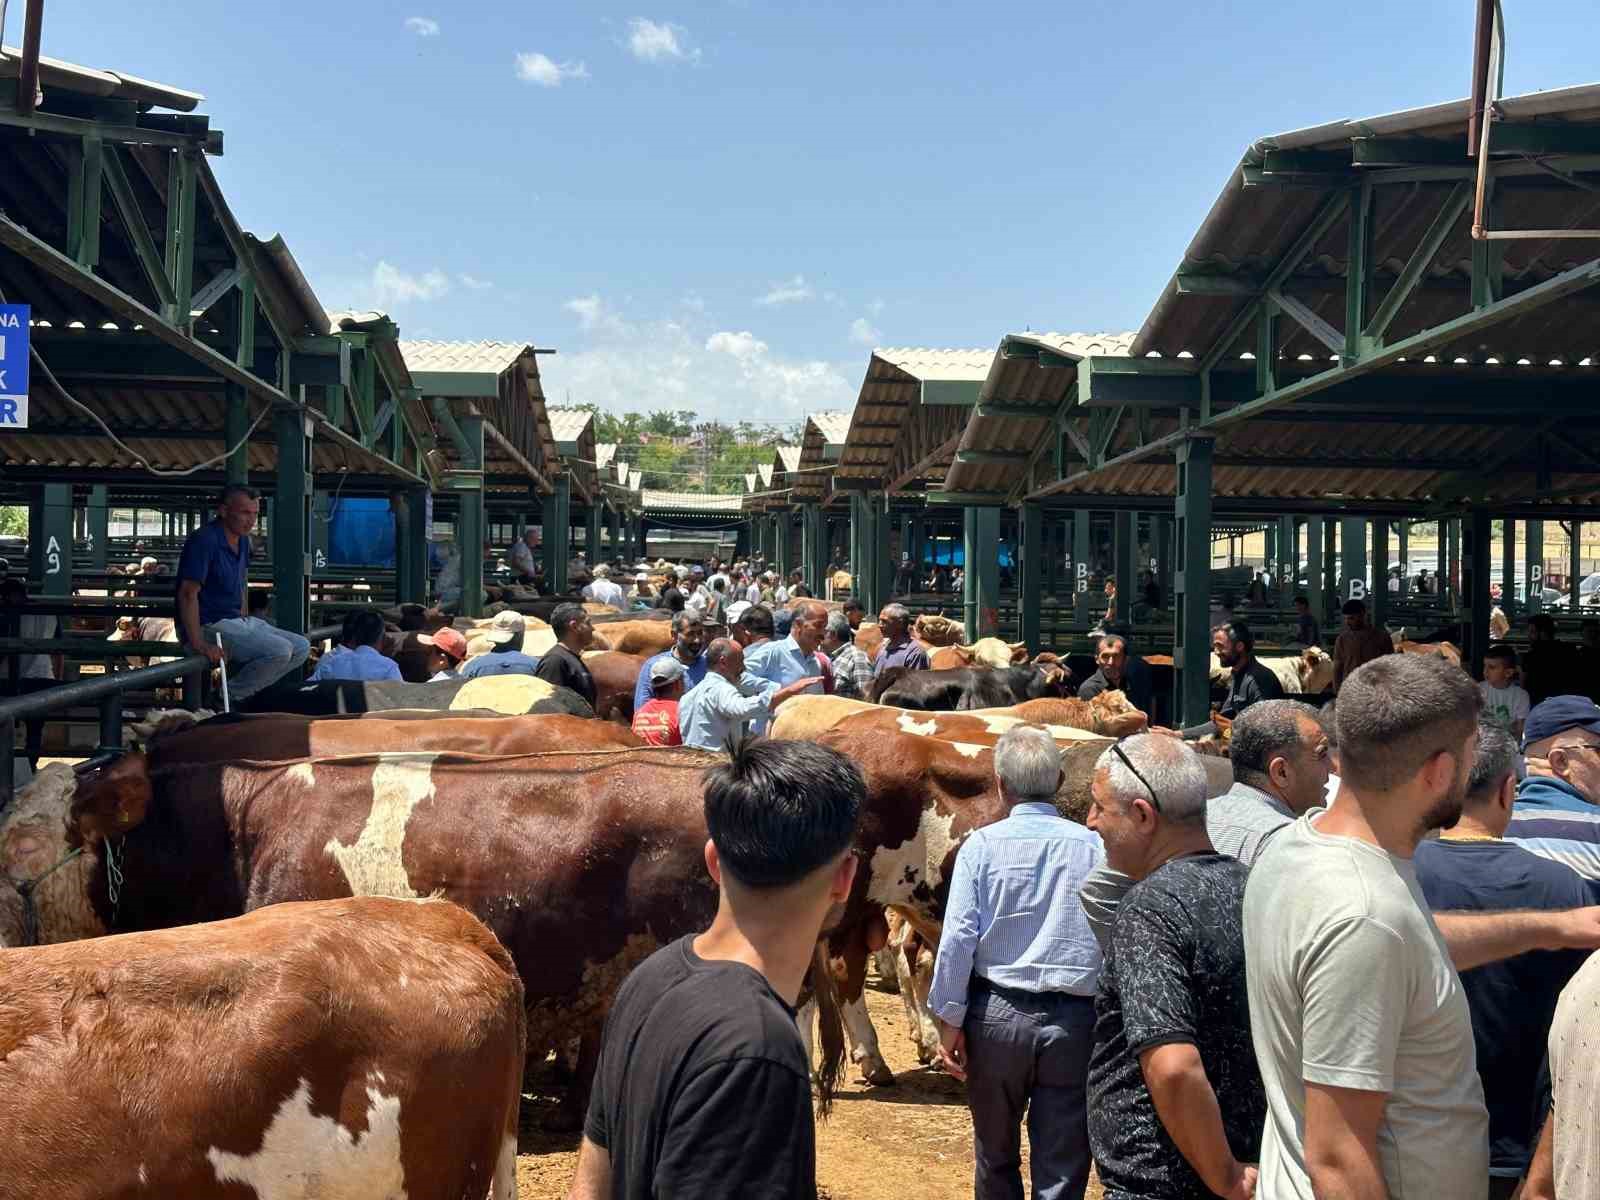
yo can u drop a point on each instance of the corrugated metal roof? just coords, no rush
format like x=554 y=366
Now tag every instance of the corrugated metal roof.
x=693 y=501
x=938 y=364
x=891 y=429
x=1018 y=379
x=569 y=424
x=834 y=427
x=474 y=357
x=90 y=81
x=820 y=444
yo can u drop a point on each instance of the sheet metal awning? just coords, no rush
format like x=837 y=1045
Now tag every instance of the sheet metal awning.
x=912 y=403
x=810 y=481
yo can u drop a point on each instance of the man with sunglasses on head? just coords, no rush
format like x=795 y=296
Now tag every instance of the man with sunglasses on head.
x=1175 y=1100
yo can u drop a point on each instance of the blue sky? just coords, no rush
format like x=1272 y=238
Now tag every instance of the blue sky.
x=723 y=205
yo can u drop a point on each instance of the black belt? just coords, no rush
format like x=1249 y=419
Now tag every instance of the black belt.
x=1023 y=996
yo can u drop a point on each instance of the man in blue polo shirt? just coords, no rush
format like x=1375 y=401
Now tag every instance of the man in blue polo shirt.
x=211 y=583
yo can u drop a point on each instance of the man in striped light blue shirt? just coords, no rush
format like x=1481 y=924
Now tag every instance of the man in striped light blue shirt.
x=790 y=659
x=1556 y=814
x=1014 y=981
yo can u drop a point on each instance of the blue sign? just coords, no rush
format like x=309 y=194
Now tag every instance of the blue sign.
x=13 y=366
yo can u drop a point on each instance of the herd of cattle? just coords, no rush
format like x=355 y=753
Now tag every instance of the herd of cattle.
x=286 y=998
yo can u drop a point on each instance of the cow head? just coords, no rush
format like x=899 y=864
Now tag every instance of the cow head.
x=1046 y=681
x=1316 y=670
x=64 y=812
x=936 y=630
x=991 y=652
x=1115 y=715
x=1019 y=653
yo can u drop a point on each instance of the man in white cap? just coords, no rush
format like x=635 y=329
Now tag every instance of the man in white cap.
x=602 y=590
x=657 y=721
x=506 y=658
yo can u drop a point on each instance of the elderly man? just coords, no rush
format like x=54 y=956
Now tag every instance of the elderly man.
x=852 y=670
x=717 y=711
x=1175 y=1101
x=792 y=659
x=212 y=576
x=1472 y=867
x=899 y=649
x=1556 y=815
x=1361 y=1026
x=688 y=647
x=562 y=664
x=1115 y=670
x=1014 y=979
x=1279 y=756
x=506 y=632
x=603 y=591
x=523 y=556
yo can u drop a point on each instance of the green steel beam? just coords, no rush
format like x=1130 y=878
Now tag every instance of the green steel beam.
x=968 y=499
x=133 y=224
x=1455 y=206
x=1302 y=315
x=480 y=384
x=236 y=423
x=1408 y=152
x=1358 y=275
x=1538 y=138
x=1119 y=381
x=993 y=456
x=1191 y=654
x=291 y=518
x=55 y=538
x=1267 y=343
x=179 y=249
x=245 y=356
x=1196 y=283
x=992 y=408
x=1030 y=587
x=1306 y=162
x=1488 y=257
x=97 y=526
x=219 y=286
x=981 y=602
x=85 y=187
x=954 y=393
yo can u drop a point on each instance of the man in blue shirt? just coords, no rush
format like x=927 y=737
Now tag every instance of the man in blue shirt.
x=212 y=575
x=716 y=711
x=1556 y=815
x=1472 y=868
x=1014 y=980
x=898 y=649
x=689 y=650
x=506 y=632
x=794 y=658
x=361 y=658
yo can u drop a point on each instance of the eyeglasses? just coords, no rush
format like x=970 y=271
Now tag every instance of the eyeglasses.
x=1116 y=748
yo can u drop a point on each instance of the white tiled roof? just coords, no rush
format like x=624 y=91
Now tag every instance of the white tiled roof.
x=1080 y=344
x=791 y=454
x=699 y=500
x=568 y=424
x=475 y=357
x=925 y=364
x=835 y=426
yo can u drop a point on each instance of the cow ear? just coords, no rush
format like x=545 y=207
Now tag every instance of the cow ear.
x=113 y=799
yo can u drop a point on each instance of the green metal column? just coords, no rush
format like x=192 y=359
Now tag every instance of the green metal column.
x=781 y=559
x=591 y=530
x=471 y=528
x=814 y=548
x=1331 y=600
x=53 y=534
x=1477 y=554
x=97 y=521
x=1080 y=566
x=1286 y=570
x=291 y=519
x=1575 y=565
x=1380 y=573
x=1508 y=568
x=1191 y=654
x=1452 y=535
x=858 y=536
x=1403 y=556
x=1533 y=568
x=614 y=531
x=1125 y=535
x=1030 y=580
x=1161 y=531
x=235 y=424
x=410 y=545
x=981 y=601
x=321 y=520
x=1353 y=560
x=557 y=523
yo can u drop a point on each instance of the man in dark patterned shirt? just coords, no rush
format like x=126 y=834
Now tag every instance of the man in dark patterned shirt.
x=1176 y=1105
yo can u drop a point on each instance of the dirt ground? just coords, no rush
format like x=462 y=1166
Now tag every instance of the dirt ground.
x=881 y=1143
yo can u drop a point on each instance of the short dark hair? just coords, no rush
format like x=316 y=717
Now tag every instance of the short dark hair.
x=347 y=627
x=1238 y=631
x=1543 y=622
x=1397 y=712
x=683 y=618
x=757 y=619
x=799 y=590
x=258 y=600
x=778 y=810
x=854 y=605
x=1496 y=758
x=1500 y=652
x=231 y=490
x=563 y=616
x=366 y=627
x=1302 y=600
x=1328 y=718
x=1354 y=608
x=1263 y=731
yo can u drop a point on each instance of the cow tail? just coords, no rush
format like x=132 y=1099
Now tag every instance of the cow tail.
x=830 y=1028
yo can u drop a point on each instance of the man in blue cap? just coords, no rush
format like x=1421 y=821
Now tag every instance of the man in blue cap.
x=1556 y=814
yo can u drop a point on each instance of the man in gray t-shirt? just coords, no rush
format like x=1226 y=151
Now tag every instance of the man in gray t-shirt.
x=1361 y=1028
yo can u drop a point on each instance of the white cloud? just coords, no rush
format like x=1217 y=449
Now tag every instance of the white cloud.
x=863 y=333
x=788 y=293
x=636 y=365
x=743 y=346
x=659 y=41
x=533 y=67
x=472 y=283
x=423 y=26
x=391 y=287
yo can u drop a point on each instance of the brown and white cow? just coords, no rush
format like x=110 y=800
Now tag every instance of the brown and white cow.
x=985 y=652
x=1308 y=673
x=364 y=1049
x=581 y=863
x=936 y=629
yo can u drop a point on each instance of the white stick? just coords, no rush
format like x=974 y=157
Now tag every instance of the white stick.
x=223 y=665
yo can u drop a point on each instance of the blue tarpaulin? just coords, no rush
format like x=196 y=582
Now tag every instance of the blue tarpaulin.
x=361 y=533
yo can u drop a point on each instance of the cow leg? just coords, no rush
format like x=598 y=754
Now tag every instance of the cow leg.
x=863 y=1037
x=806 y=1019
x=888 y=970
x=925 y=1029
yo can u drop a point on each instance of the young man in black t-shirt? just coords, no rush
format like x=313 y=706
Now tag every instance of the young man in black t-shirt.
x=703 y=1087
x=562 y=664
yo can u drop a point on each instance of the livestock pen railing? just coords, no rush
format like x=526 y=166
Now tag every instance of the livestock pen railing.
x=106 y=693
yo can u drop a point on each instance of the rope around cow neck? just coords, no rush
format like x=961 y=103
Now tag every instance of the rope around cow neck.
x=26 y=888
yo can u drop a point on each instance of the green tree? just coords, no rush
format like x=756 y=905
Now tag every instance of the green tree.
x=13 y=521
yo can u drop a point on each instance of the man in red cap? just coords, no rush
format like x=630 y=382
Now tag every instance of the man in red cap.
x=446 y=649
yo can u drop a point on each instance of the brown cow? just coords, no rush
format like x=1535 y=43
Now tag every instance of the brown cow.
x=985 y=652
x=177 y=737
x=1444 y=650
x=937 y=630
x=634 y=637
x=351 y=1048
x=615 y=676
x=869 y=639
x=581 y=863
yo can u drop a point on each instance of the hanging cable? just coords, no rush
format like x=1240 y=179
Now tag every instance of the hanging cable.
x=138 y=458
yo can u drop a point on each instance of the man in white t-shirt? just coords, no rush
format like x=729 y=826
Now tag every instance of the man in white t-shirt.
x=1504 y=703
